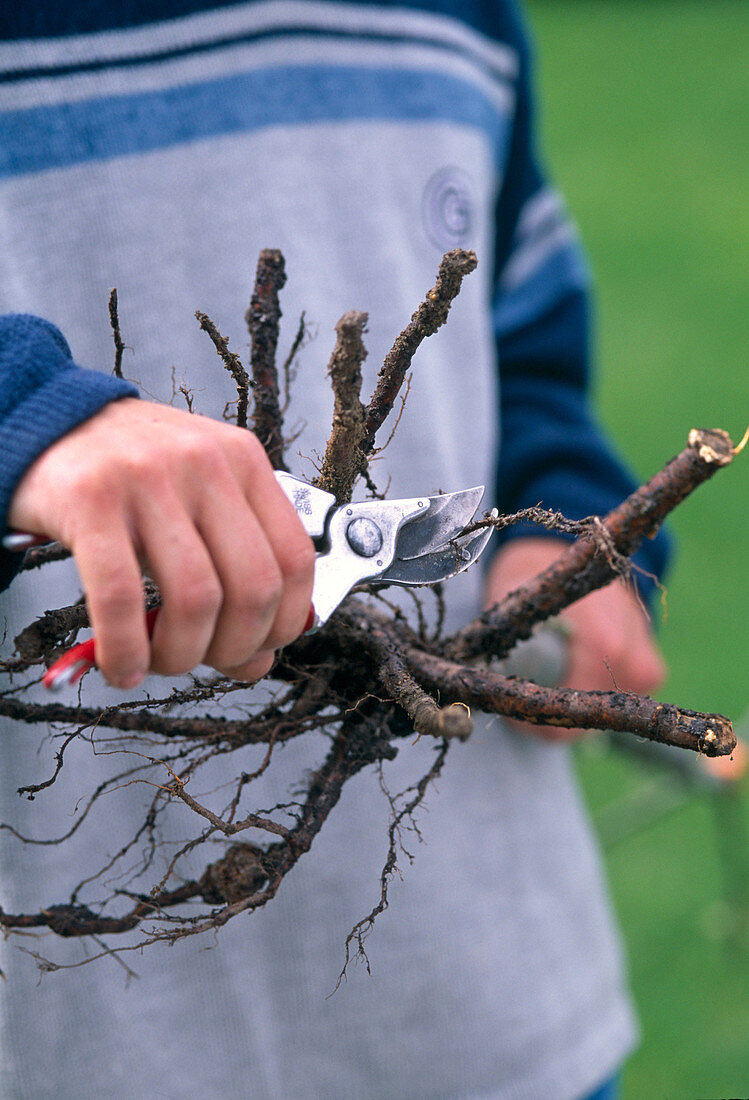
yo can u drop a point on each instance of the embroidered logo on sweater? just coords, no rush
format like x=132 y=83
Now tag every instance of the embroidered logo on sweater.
x=448 y=209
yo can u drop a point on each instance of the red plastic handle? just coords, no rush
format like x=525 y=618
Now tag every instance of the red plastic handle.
x=20 y=541
x=79 y=660
x=69 y=668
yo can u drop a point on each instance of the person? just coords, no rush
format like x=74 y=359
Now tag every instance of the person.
x=158 y=147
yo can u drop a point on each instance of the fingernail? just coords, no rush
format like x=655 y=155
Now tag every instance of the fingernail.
x=131 y=681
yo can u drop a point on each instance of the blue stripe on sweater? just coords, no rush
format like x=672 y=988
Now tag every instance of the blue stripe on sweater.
x=38 y=138
x=565 y=270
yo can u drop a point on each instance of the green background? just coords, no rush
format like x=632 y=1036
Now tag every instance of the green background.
x=645 y=123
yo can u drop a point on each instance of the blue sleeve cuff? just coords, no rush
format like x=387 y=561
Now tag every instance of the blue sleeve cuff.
x=43 y=395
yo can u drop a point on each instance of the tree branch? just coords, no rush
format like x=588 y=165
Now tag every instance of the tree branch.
x=431 y=315
x=711 y=734
x=344 y=458
x=233 y=364
x=119 y=345
x=595 y=560
x=263 y=320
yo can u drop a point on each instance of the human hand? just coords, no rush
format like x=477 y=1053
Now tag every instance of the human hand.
x=195 y=502
x=610 y=645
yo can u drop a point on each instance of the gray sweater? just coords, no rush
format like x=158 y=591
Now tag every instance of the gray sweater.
x=496 y=970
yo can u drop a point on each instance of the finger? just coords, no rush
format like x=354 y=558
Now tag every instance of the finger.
x=250 y=577
x=191 y=592
x=252 y=670
x=552 y=734
x=293 y=552
x=646 y=670
x=266 y=574
x=625 y=659
x=111 y=578
x=727 y=769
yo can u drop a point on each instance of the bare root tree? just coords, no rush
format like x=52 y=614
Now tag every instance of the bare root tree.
x=366 y=680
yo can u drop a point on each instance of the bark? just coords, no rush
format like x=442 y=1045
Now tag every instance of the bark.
x=344 y=457
x=119 y=345
x=263 y=321
x=233 y=364
x=711 y=734
x=430 y=316
x=601 y=555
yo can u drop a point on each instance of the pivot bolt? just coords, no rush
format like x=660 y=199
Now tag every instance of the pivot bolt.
x=364 y=537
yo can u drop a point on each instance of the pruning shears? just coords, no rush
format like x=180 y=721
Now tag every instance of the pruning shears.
x=411 y=542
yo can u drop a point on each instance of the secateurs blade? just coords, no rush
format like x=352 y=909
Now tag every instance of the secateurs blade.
x=410 y=542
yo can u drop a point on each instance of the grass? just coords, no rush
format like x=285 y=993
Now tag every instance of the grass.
x=644 y=124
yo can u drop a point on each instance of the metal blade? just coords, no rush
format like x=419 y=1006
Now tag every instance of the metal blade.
x=351 y=561
x=444 y=563
x=448 y=514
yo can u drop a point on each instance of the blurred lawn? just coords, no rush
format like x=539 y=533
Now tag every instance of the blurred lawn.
x=645 y=121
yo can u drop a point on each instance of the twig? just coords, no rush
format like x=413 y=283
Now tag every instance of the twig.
x=237 y=731
x=43 y=555
x=289 y=368
x=263 y=317
x=233 y=364
x=431 y=315
x=711 y=734
x=344 y=459
x=593 y=562
x=50 y=630
x=363 y=927
x=428 y=716
x=360 y=741
x=114 y=321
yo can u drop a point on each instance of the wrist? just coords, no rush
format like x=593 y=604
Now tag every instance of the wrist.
x=44 y=394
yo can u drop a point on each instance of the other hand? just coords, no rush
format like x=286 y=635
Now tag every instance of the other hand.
x=193 y=501
x=611 y=645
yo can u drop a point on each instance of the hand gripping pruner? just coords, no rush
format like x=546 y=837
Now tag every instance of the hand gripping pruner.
x=411 y=542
